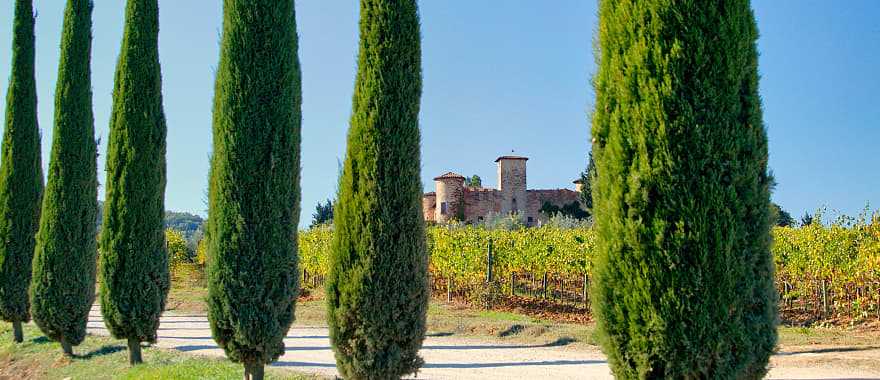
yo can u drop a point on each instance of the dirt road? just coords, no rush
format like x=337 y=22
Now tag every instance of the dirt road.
x=452 y=357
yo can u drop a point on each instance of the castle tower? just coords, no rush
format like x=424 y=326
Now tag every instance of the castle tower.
x=450 y=197
x=512 y=184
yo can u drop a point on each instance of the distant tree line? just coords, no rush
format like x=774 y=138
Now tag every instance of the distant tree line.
x=473 y=181
x=191 y=226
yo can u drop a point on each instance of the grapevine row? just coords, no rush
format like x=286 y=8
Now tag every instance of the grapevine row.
x=823 y=272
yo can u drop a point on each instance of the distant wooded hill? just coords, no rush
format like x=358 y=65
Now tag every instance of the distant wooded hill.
x=189 y=225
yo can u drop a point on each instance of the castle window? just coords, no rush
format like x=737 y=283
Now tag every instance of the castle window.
x=530 y=221
x=513 y=208
x=443 y=208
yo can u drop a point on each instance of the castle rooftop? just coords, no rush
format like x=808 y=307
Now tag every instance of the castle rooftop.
x=512 y=158
x=450 y=175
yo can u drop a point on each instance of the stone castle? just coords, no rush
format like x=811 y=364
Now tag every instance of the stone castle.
x=453 y=200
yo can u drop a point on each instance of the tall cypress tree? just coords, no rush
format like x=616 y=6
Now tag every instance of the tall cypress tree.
x=683 y=282
x=134 y=261
x=63 y=285
x=377 y=291
x=254 y=187
x=21 y=175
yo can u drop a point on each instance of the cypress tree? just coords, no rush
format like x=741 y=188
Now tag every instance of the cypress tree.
x=683 y=283
x=587 y=178
x=254 y=187
x=63 y=285
x=377 y=291
x=21 y=175
x=134 y=261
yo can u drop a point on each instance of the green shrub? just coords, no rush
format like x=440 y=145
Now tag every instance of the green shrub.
x=21 y=175
x=377 y=291
x=683 y=279
x=63 y=284
x=254 y=187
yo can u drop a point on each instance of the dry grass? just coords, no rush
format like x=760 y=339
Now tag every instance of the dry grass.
x=526 y=323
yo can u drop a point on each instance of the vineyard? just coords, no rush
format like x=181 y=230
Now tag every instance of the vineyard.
x=829 y=273
x=824 y=273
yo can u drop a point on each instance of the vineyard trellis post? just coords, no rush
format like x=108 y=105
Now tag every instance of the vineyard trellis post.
x=562 y=292
x=512 y=284
x=824 y=299
x=585 y=288
x=877 y=297
x=489 y=263
x=449 y=289
x=544 y=286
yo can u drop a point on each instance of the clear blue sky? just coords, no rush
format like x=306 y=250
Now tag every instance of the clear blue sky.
x=502 y=76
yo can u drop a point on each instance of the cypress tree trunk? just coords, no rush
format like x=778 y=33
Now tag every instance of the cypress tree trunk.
x=17 y=333
x=21 y=174
x=134 y=260
x=134 y=352
x=254 y=371
x=377 y=289
x=66 y=347
x=683 y=278
x=63 y=285
x=254 y=187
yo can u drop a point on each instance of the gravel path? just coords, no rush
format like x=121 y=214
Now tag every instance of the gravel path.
x=451 y=357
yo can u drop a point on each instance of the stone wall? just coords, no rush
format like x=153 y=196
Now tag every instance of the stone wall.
x=558 y=197
x=429 y=203
x=480 y=202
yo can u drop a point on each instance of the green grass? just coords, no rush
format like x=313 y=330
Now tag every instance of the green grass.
x=103 y=358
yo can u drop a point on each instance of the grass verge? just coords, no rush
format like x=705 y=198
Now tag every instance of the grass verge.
x=103 y=358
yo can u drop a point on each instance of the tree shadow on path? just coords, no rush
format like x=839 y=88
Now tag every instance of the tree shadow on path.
x=829 y=350
x=513 y=364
